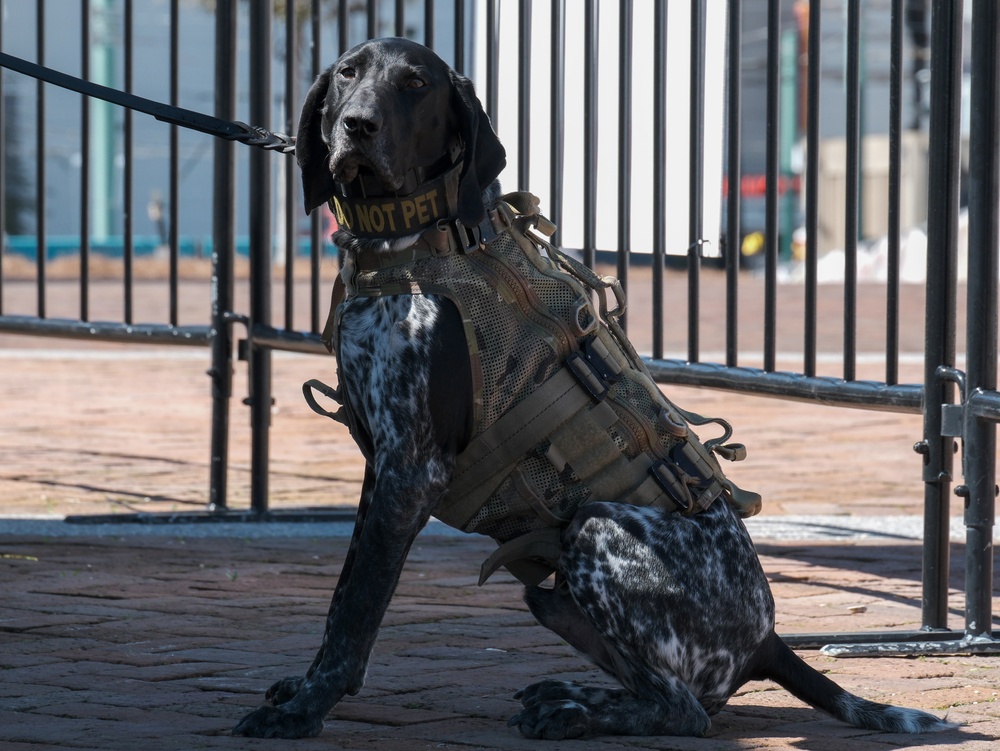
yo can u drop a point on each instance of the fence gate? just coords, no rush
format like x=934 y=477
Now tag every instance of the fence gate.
x=698 y=74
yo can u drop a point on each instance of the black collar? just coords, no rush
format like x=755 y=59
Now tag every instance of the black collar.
x=393 y=216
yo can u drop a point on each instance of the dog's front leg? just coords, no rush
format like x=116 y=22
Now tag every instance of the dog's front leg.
x=401 y=504
x=285 y=689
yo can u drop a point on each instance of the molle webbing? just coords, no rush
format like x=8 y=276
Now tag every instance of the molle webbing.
x=565 y=412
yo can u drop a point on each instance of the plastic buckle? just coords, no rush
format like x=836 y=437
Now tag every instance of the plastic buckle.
x=667 y=479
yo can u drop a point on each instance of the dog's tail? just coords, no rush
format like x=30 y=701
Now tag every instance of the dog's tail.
x=786 y=668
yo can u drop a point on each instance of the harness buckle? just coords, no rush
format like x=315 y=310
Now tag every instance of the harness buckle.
x=467 y=239
x=595 y=367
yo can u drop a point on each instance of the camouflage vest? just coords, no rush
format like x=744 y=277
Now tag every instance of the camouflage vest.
x=565 y=411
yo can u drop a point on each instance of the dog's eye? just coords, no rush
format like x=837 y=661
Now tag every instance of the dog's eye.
x=347 y=73
x=416 y=83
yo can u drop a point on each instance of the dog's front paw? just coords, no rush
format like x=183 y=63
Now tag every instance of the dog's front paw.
x=552 y=720
x=284 y=690
x=275 y=722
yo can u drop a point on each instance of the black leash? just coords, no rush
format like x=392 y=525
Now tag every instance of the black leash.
x=214 y=126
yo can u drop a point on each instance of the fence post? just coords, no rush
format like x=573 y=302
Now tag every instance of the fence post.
x=260 y=254
x=979 y=435
x=223 y=218
x=939 y=343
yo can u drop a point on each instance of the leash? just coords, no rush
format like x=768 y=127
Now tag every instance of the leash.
x=250 y=135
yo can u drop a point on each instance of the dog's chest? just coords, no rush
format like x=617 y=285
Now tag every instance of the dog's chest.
x=385 y=362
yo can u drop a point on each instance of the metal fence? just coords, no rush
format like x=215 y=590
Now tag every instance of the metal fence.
x=550 y=68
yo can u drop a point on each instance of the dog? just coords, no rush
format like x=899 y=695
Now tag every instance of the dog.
x=675 y=607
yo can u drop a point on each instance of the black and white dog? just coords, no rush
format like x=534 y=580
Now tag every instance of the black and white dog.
x=675 y=607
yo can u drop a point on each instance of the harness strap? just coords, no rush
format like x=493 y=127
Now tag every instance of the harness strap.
x=531 y=558
x=329 y=393
x=482 y=466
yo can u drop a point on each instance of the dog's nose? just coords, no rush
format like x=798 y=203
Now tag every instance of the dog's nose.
x=362 y=125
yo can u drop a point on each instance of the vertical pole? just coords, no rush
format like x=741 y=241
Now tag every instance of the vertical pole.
x=852 y=180
x=524 y=94
x=590 y=131
x=41 y=241
x=939 y=331
x=895 y=182
x=556 y=134
x=812 y=189
x=984 y=203
x=260 y=254
x=223 y=242
x=771 y=190
x=696 y=174
x=128 y=219
x=624 y=145
x=85 y=164
x=659 y=170
x=734 y=178
x=175 y=170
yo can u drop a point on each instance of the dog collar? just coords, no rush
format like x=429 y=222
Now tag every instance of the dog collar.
x=393 y=216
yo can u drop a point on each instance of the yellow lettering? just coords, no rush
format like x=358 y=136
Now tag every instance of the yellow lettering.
x=343 y=213
x=390 y=212
x=364 y=218
x=376 y=218
x=409 y=209
x=432 y=197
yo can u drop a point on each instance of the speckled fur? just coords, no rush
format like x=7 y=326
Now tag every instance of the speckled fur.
x=676 y=608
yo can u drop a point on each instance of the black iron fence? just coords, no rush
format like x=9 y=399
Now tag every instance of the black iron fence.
x=707 y=166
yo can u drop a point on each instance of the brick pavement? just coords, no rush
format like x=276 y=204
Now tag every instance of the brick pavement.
x=164 y=642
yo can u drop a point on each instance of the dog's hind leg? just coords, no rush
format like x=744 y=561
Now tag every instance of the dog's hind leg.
x=651 y=705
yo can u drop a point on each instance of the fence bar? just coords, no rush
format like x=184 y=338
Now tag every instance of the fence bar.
x=41 y=249
x=523 y=94
x=624 y=147
x=771 y=192
x=895 y=198
x=174 y=167
x=372 y=19
x=260 y=253
x=659 y=170
x=822 y=390
x=84 y=164
x=852 y=181
x=429 y=23
x=696 y=174
x=492 y=60
x=812 y=189
x=315 y=220
x=290 y=171
x=400 y=18
x=3 y=169
x=107 y=331
x=939 y=343
x=128 y=243
x=979 y=444
x=734 y=176
x=343 y=26
x=460 y=36
x=590 y=131
x=223 y=252
x=556 y=134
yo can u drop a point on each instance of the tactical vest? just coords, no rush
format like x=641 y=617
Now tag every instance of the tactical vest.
x=565 y=411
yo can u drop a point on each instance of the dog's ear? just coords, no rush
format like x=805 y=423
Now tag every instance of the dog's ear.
x=485 y=156
x=311 y=151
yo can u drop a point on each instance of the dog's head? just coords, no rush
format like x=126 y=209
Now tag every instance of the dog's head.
x=389 y=106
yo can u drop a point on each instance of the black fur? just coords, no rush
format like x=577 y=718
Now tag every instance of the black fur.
x=676 y=608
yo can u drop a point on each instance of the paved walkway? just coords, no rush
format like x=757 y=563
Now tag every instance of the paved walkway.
x=112 y=639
